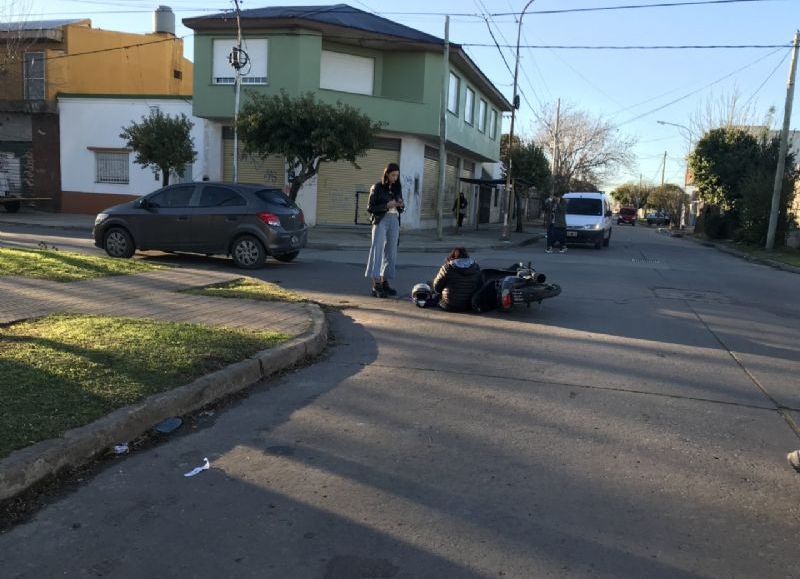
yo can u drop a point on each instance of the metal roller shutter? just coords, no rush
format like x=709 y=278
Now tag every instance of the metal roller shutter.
x=338 y=183
x=451 y=183
x=430 y=188
x=270 y=171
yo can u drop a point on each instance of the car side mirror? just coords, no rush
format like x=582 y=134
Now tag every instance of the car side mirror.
x=608 y=213
x=143 y=203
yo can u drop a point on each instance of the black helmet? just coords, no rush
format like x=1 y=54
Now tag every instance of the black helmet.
x=421 y=294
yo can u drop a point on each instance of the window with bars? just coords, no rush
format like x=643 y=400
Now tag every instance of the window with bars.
x=111 y=166
x=34 y=76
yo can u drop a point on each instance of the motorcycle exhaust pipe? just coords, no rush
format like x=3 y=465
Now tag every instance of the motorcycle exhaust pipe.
x=538 y=277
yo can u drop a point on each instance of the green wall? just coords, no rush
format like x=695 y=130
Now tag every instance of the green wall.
x=407 y=85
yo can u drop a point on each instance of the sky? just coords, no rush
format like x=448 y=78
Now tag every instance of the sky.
x=631 y=88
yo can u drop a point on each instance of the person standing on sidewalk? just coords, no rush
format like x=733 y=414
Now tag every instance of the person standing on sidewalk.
x=557 y=223
x=459 y=206
x=385 y=204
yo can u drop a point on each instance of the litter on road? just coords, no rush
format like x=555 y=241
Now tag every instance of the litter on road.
x=199 y=469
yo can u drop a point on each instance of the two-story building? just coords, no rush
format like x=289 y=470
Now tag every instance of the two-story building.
x=41 y=59
x=392 y=73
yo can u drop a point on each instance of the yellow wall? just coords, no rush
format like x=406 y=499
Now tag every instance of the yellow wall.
x=143 y=70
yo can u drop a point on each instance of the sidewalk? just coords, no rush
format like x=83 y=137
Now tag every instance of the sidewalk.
x=152 y=295
x=331 y=237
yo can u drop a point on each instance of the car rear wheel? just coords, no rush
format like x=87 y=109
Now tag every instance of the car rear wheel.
x=287 y=257
x=118 y=243
x=247 y=252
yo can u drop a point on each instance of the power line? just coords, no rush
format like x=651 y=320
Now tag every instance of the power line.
x=451 y=14
x=769 y=76
x=632 y=47
x=636 y=118
x=632 y=7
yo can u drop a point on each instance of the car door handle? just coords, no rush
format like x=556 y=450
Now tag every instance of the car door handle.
x=231 y=218
x=183 y=218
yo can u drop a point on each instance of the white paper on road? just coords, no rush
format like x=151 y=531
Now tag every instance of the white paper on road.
x=199 y=469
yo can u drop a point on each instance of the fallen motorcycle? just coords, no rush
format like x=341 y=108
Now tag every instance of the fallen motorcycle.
x=502 y=289
x=499 y=289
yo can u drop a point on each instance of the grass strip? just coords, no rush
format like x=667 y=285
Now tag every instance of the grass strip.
x=65 y=266
x=64 y=371
x=248 y=288
x=783 y=254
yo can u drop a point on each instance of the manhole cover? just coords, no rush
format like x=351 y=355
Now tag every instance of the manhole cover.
x=691 y=295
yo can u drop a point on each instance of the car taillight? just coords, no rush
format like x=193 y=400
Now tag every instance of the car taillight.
x=302 y=218
x=506 y=299
x=269 y=218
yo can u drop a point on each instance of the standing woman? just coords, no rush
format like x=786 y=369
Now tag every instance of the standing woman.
x=385 y=206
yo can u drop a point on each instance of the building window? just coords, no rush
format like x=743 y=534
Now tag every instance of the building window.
x=452 y=94
x=177 y=74
x=253 y=72
x=34 y=76
x=111 y=166
x=482 y=116
x=469 y=106
x=493 y=124
x=346 y=72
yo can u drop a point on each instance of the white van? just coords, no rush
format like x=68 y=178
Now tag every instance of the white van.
x=589 y=218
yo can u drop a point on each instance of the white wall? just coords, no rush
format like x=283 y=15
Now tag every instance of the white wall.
x=97 y=122
x=412 y=165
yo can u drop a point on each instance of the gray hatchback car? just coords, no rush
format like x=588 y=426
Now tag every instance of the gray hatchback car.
x=247 y=222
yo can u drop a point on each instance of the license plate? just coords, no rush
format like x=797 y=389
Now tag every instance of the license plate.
x=572 y=234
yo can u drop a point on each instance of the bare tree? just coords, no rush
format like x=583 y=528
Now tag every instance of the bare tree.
x=590 y=149
x=727 y=110
x=15 y=38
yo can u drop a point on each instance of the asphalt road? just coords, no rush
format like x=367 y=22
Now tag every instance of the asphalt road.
x=634 y=427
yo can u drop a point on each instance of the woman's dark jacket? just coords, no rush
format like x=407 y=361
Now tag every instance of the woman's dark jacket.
x=379 y=195
x=457 y=280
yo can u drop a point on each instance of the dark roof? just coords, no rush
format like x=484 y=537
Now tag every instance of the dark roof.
x=37 y=24
x=341 y=16
x=335 y=15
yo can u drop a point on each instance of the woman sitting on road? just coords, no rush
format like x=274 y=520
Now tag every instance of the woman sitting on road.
x=458 y=279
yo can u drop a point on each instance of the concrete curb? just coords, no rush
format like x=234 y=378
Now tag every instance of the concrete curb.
x=740 y=254
x=25 y=467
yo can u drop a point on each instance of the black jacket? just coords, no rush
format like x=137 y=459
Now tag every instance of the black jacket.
x=379 y=196
x=457 y=280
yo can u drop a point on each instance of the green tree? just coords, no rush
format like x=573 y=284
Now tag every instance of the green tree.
x=735 y=170
x=720 y=162
x=305 y=131
x=161 y=141
x=632 y=194
x=668 y=198
x=529 y=164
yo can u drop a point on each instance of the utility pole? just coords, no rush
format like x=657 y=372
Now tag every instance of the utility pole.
x=237 y=62
x=787 y=116
x=663 y=168
x=514 y=106
x=443 y=129
x=555 y=147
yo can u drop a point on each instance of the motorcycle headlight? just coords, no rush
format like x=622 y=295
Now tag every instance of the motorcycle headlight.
x=100 y=218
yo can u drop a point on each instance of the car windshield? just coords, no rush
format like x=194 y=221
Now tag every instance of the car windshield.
x=626 y=211
x=583 y=206
x=275 y=196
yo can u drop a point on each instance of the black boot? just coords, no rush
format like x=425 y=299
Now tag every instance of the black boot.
x=377 y=289
x=388 y=290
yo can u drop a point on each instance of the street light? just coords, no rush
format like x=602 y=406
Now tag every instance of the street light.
x=514 y=106
x=690 y=134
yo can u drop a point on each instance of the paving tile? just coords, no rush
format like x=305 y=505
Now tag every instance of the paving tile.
x=150 y=295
